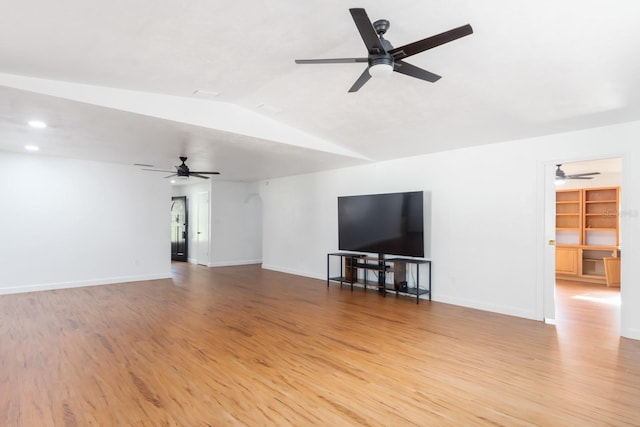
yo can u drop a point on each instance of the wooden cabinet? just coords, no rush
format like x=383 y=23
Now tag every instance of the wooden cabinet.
x=592 y=262
x=612 y=271
x=567 y=260
x=587 y=232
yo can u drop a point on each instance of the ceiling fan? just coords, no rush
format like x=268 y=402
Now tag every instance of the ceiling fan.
x=183 y=171
x=561 y=176
x=383 y=58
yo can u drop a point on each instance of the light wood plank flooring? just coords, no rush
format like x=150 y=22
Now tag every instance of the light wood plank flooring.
x=246 y=346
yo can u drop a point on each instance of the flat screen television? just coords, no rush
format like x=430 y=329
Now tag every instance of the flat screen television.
x=391 y=224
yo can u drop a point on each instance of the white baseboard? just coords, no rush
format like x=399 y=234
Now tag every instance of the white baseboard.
x=295 y=272
x=81 y=283
x=509 y=311
x=631 y=333
x=232 y=263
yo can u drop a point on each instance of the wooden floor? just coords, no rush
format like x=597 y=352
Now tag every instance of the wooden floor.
x=245 y=346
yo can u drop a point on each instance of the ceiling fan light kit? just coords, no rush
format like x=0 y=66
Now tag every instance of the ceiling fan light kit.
x=381 y=67
x=383 y=59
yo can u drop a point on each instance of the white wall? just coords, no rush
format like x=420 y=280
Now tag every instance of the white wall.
x=67 y=223
x=488 y=231
x=236 y=224
x=236 y=221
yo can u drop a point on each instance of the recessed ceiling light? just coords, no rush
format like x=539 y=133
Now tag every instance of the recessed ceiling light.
x=37 y=124
x=173 y=181
x=31 y=147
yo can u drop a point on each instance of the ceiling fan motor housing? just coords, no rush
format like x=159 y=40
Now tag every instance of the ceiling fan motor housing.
x=381 y=63
x=182 y=170
x=381 y=26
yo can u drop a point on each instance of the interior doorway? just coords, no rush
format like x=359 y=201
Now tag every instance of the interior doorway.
x=587 y=236
x=179 y=222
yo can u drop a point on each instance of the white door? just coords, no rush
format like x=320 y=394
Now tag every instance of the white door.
x=202 y=229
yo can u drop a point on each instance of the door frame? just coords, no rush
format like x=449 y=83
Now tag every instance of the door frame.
x=547 y=216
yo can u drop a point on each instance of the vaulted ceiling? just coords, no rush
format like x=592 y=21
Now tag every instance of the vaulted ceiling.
x=148 y=81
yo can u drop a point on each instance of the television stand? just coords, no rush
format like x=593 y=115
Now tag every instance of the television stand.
x=400 y=268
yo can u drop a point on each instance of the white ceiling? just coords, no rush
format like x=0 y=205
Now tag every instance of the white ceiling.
x=115 y=80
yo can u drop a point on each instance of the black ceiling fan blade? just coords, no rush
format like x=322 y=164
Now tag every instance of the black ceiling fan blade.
x=364 y=77
x=331 y=61
x=413 y=71
x=579 y=175
x=582 y=175
x=367 y=32
x=171 y=176
x=204 y=173
x=430 y=42
x=157 y=170
x=197 y=175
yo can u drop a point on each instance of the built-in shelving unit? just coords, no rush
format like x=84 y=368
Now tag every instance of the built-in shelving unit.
x=568 y=217
x=587 y=232
x=601 y=217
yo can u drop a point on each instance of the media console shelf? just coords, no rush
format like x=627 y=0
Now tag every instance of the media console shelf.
x=400 y=268
x=347 y=265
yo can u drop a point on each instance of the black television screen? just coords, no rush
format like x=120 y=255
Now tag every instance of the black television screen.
x=391 y=224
